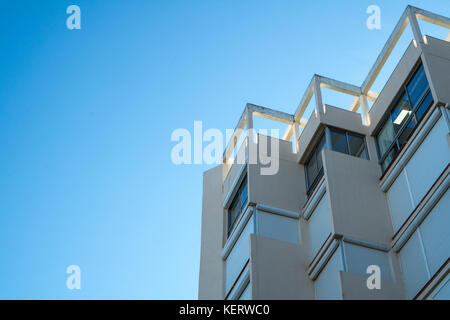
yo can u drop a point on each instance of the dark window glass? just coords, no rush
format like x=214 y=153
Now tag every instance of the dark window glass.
x=416 y=98
x=339 y=141
x=386 y=137
x=238 y=205
x=314 y=165
x=348 y=143
x=320 y=147
x=406 y=132
x=311 y=168
x=424 y=106
x=391 y=155
x=357 y=146
x=417 y=86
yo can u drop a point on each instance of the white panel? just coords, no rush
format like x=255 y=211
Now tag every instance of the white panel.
x=413 y=266
x=319 y=225
x=399 y=201
x=442 y=292
x=247 y=293
x=238 y=256
x=327 y=284
x=358 y=258
x=277 y=227
x=435 y=234
x=428 y=161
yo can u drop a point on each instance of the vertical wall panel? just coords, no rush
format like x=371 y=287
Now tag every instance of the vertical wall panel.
x=435 y=230
x=358 y=258
x=238 y=256
x=319 y=225
x=428 y=161
x=413 y=265
x=399 y=201
x=277 y=227
x=327 y=284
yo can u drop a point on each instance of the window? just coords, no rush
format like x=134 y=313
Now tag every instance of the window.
x=415 y=99
x=237 y=205
x=314 y=166
x=341 y=141
x=348 y=143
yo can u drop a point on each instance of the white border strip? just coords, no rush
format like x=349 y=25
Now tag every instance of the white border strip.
x=243 y=282
x=237 y=232
x=412 y=148
x=317 y=196
x=227 y=201
x=366 y=244
x=418 y=219
x=278 y=211
x=319 y=265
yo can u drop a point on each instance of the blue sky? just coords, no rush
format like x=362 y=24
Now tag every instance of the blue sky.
x=86 y=116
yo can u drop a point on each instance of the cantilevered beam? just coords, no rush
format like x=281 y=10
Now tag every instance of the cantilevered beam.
x=339 y=86
x=385 y=53
x=305 y=101
x=235 y=136
x=271 y=114
x=431 y=17
x=290 y=129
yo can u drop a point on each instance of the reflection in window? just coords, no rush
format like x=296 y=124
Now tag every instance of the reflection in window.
x=400 y=112
x=237 y=205
x=348 y=143
x=314 y=166
x=357 y=146
x=406 y=112
x=341 y=141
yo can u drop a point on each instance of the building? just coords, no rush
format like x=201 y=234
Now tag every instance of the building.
x=356 y=187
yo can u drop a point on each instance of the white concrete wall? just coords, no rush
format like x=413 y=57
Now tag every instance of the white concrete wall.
x=328 y=284
x=427 y=249
x=358 y=258
x=277 y=227
x=419 y=174
x=238 y=257
x=278 y=270
x=211 y=263
x=319 y=224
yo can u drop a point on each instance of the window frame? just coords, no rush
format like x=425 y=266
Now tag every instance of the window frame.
x=243 y=185
x=388 y=117
x=327 y=144
x=347 y=133
x=311 y=185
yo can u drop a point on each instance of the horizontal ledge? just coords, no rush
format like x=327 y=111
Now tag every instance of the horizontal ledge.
x=278 y=211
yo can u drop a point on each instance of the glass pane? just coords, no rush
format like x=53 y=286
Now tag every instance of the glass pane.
x=385 y=137
x=403 y=137
x=417 y=86
x=400 y=112
x=320 y=147
x=311 y=169
x=357 y=145
x=389 y=158
x=339 y=141
x=238 y=204
x=244 y=196
x=424 y=106
x=233 y=213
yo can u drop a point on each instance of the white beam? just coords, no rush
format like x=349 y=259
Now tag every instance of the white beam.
x=385 y=53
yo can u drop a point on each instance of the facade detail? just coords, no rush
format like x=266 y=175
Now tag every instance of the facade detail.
x=356 y=187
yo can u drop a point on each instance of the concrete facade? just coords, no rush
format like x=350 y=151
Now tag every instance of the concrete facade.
x=294 y=238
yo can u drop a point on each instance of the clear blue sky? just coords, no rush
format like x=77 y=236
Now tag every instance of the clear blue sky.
x=86 y=117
